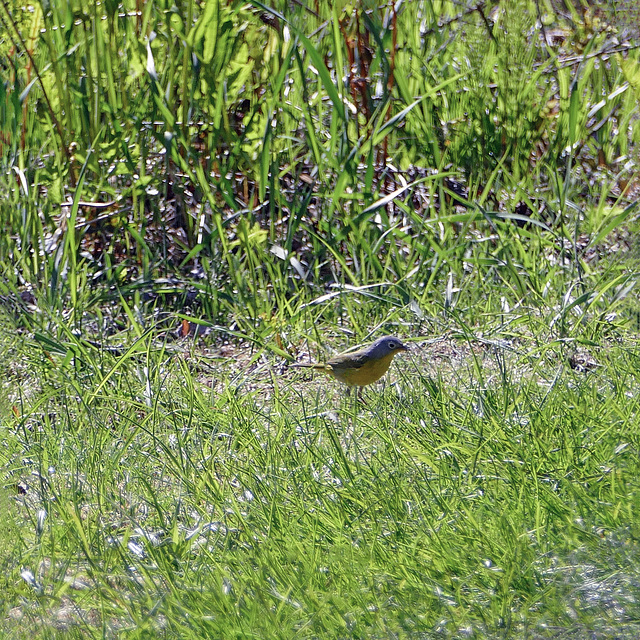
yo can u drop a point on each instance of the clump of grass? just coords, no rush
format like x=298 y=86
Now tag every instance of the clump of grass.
x=274 y=192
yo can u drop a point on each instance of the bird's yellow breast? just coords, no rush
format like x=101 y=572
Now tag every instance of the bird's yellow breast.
x=365 y=374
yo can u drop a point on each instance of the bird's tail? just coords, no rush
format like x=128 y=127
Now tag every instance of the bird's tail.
x=308 y=365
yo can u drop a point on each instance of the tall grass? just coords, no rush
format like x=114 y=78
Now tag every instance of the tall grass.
x=259 y=143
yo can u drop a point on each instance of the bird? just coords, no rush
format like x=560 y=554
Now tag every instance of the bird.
x=363 y=367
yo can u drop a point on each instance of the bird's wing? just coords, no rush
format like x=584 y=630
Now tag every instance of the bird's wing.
x=353 y=360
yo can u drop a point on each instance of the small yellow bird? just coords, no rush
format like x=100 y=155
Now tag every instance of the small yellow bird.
x=360 y=368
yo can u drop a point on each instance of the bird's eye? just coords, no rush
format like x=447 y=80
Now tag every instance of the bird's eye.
x=391 y=344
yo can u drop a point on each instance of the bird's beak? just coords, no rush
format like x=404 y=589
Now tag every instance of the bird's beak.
x=404 y=347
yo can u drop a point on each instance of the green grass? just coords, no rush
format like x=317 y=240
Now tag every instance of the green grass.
x=261 y=160
x=487 y=490
x=280 y=184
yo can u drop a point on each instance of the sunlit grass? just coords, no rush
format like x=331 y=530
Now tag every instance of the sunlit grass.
x=488 y=488
x=194 y=197
x=272 y=186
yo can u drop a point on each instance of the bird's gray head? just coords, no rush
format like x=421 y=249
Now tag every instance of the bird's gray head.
x=386 y=345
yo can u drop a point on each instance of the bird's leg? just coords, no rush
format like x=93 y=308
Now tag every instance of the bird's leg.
x=360 y=396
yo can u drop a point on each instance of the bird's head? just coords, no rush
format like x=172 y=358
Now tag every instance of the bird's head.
x=387 y=345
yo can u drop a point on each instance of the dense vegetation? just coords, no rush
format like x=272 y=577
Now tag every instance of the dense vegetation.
x=196 y=194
